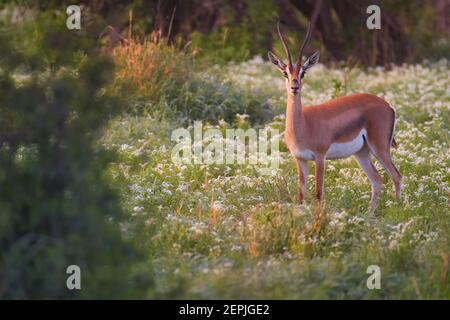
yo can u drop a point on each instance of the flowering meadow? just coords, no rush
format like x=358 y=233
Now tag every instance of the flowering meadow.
x=226 y=231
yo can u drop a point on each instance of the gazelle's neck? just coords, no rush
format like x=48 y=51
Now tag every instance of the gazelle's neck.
x=293 y=115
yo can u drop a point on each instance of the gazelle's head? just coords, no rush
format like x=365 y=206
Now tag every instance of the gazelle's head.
x=294 y=73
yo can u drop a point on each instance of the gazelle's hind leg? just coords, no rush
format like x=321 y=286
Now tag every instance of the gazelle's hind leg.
x=384 y=156
x=363 y=157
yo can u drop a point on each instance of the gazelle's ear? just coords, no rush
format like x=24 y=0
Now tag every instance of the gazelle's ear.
x=276 y=61
x=310 y=62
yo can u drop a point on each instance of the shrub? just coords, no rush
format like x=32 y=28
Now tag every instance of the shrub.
x=150 y=69
x=162 y=79
x=56 y=206
x=240 y=35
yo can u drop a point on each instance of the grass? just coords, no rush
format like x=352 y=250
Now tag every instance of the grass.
x=224 y=231
x=149 y=69
x=164 y=81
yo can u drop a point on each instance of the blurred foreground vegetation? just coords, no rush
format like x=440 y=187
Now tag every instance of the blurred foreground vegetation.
x=56 y=204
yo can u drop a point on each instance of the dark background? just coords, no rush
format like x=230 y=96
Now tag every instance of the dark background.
x=238 y=29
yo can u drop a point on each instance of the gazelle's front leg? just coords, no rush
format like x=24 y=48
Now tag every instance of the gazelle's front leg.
x=302 y=169
x=319 y=173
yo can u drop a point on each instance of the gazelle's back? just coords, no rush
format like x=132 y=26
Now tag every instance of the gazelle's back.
x=350 y=102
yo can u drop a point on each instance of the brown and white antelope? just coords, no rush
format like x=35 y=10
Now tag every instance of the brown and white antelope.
x=359 y=124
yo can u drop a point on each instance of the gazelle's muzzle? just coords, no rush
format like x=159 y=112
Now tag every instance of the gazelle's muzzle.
x=295 y=87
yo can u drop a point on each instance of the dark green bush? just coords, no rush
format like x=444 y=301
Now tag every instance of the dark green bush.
x=56 y=205
x=163 y=80
x=211 y=99
x=243 y=34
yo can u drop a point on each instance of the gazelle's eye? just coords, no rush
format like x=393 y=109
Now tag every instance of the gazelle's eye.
x=285 y=74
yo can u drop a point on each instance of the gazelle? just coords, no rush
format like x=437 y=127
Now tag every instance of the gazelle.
x=359 y=124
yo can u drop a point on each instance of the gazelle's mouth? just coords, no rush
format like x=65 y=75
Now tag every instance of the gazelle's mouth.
x=295 y=91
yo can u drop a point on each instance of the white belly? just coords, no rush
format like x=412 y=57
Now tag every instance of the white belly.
x=346 y=149
x=336 y=150
x=304 y=154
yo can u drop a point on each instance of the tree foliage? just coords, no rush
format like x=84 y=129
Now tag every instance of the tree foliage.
x=56 y=206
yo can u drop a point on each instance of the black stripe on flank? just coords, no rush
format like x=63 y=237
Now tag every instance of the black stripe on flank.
x=352 y=126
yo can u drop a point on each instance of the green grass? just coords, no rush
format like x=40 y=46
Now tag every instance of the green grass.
x=226 y=232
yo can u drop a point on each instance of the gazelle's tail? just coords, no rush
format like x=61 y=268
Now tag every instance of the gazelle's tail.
x=394 y=143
